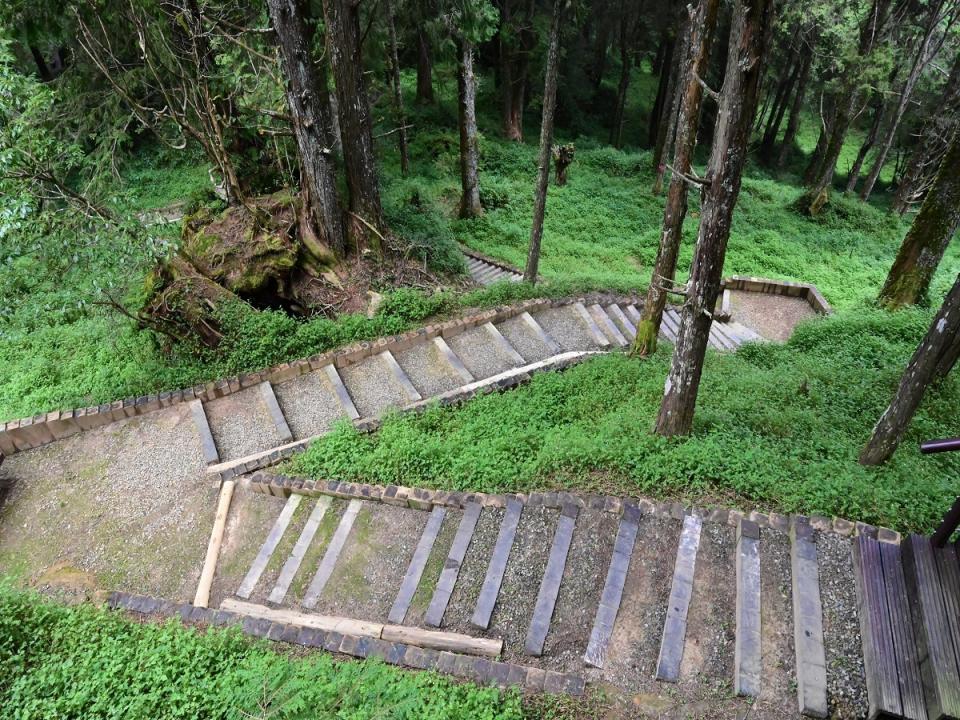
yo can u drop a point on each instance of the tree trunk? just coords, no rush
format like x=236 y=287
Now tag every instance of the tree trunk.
x=702 y=26
x=663 y=89
x=599 y=65
x=750 y=31
x=626 y=65
x=779 y=110
x=514 y=66
x=562 y=157
x=948 y=359
x=793 y=124
x=365 y=226
x=397 y=90
x=925 y=52
x=546 y=142
x=666 y=136
x=469 y=143
x=424 y=69
x=867 y=145
x=819 y=151
x=926 y=241
x=309 y=112
x=935 y=347
x=42 y=69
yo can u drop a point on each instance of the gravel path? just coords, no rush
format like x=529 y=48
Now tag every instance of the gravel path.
x=428 y=370
x=565 y=326
x=472 y=573
x=241 y=424
x=778 y=686
x=373 y=387
x=309 y=404
x=772 y=316
x=479 y=354
x=519 y=334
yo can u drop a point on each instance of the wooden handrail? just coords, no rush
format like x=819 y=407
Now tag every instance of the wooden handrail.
x=951 y=521
x=938 y=446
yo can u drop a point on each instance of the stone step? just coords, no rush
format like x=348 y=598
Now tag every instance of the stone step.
x=292 y=565
x=332 y=554
x=429 y=370
x=620 y=319
x=497 y=565
x=276 y=414
x=607 y=326
x=566 y=326
x=375 y=385
x=808 y=622
x=269 y=546
x=599 y=338
x=207 y=445
x=451 y=568
x=670 y=324
x=413 y=395
x=550 y=583
x=747 y=670
x=242 y=423
x=504 y=345
x=482 y=354
x=417 y=565
x=681 y=591
x=343 y=397
x=530 y=340
x=310 y=404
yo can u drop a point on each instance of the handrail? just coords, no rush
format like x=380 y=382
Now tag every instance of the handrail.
x=951 y=521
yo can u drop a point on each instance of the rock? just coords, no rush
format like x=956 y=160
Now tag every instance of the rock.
x=376 y=299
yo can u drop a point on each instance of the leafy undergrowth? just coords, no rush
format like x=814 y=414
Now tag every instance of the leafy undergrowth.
x=777 y=427
x=61 y=662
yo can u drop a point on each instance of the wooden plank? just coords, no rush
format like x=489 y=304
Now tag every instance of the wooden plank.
x=202 y=598
x=415 y=570
x=681 y=590
x=876 y=633
x=498 y=565
x=292 y=564
x=950 y=585
x=938 y=662
x=598 y=337
x=276 y=414
x=401 y=377
x=541 y=334
x=451 y=357
x=550 y=584
x=209 y=448
x=501 y=342
x=339 y=539
x=341 y=392
x=609 y=606
x=904 y=643
x=328 y=623
x=629 y=329
x=440 y=640
x=269 y=545
x=605 y=323
x=746 y=664
x=634 y=314
x=451 y=568
x=811 y=665
x=670 y=324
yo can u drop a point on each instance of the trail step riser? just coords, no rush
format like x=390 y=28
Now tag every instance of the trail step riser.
x=266 y=551
x=292 y=565
x=681 y=591
x=550 y=584
x=330 y=557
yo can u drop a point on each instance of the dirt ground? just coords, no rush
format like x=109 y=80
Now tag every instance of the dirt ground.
x=772 y=316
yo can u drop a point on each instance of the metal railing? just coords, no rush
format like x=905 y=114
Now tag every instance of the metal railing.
x=951 y=521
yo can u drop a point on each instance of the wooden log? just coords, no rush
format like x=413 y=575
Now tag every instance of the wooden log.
x=438 y=640
x=202 y=598
x=328 y=623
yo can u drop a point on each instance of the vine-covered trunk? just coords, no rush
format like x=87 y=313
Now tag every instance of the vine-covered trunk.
x=793 y=123
x=365 y=226
x=397 y=90
x=750 y=31
x=702 y=25
x=928 y=359
x=469 y=143
x=309 y=113
x=922 y=249
x=546 y=142
x=424 y=69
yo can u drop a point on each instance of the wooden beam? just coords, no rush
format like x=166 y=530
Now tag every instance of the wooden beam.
x=202 y=598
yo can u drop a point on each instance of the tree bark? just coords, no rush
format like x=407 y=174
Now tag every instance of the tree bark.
x=662 y=98
x=309 y=112
x=626 y=65
x=424 y=69
x=779 y=109
x=922 y=249
x=667 y=133
x=366 y=225
x=819 y=151
x=469 y=142
x=935 y=347
x=793 y=123
x=514 y=65
x=925 y=52
x=546 y=142
x=750 y=31
x=866 y=146
x=397 y=90
x=702 y=25
x=43 y=69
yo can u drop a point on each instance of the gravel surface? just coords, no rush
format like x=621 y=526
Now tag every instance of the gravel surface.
x=479 y=353
x=241 y=424
x=126 y=503
x=373 y=562
x=373 y=387
x=519 y=334
x=565 y=326
x=846 y=686
x=521 y=582
x=472 y=573
x=772 y=316
x=309 y=404
x=778 y=694
x=428 y=370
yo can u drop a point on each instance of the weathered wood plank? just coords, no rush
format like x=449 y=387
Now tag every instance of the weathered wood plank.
x=876 y=633
x=340 y=390
x=401 y=377
x=746 y=664
x=455 y=362
x=681 y=590
x=808 y=622
x=451 y=568
x=276 y=414
x=634 y=314
x=629 y=329
x=949 y=570
x=498 y=565
x=292 y=564
x=670 y=324
x=415 y=570
x=938 y=662
x=605 y=323
x=440 y=640
x=270 y=544
x=598 y=337
x=329 y=623
x=505 y=347
x=541 y=334
x=330 y=557
x=609 y=606
x=211 y=455
x=550 y=584
x=904 y=643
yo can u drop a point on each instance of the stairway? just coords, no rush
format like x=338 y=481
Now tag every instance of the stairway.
x=258 y=421
x=485 y=272
x=909 y=600
x=621 y=594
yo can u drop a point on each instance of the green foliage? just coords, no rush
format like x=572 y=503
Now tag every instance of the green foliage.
x=777 y=427
x=84 y=662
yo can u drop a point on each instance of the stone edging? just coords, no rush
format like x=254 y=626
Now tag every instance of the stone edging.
x=45 y=428
x=806 y=291
x=424 y=499
x=470 y=667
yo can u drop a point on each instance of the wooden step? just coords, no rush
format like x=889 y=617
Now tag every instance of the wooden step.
x=681 y=590
x=249 y=582
x=292 y=564
x=417 y=565
x=451 y=568
x=487 y=599
x=330 y=557
x=747 y=646
x=550 y=584
x=808 y=622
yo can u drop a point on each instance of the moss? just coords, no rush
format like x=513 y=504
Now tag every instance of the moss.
x=645 y=343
